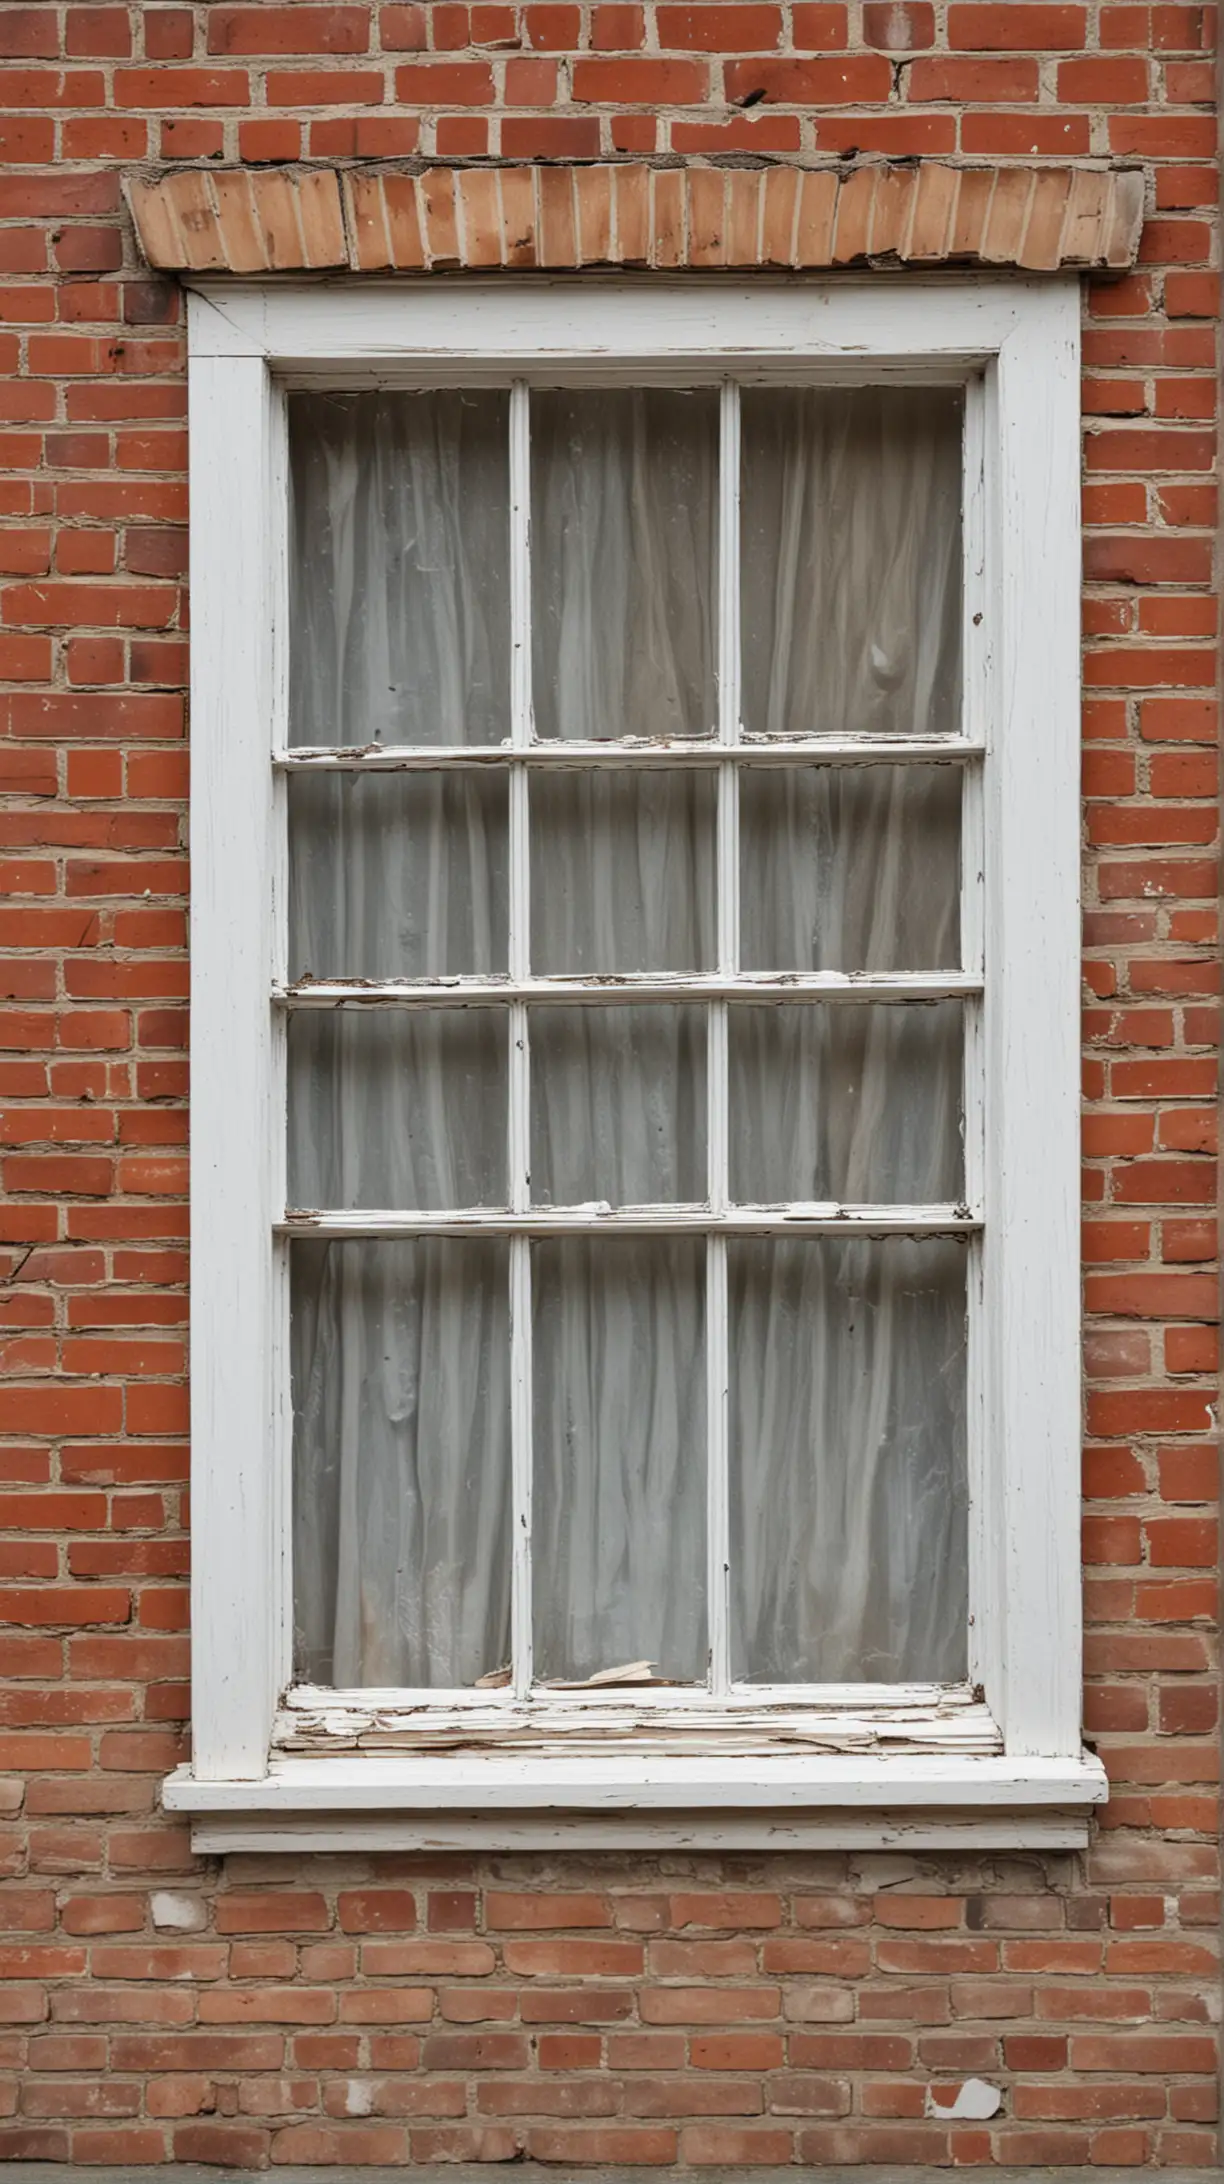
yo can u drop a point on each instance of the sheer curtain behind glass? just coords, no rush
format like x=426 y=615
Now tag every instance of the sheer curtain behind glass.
x=400 y=1351
x=624 y=498
x=848 y=1493
x=847 y=1360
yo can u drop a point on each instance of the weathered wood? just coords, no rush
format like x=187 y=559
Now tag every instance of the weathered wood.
x=601 y=1219
x=607 y=989
x=632 y=752
x=238 y=1553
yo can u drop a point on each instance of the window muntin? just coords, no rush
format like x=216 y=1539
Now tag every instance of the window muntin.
x=653 y=1391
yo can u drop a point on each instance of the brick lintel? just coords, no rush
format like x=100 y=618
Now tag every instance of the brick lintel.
x=369 y=219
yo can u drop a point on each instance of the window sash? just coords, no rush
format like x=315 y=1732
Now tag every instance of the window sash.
x=518 y=992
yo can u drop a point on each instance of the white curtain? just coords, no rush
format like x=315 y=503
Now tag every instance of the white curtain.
x=847 y=1460
x=624 y=513
x=850 y=560
x=401 y=620
x=847 y=1359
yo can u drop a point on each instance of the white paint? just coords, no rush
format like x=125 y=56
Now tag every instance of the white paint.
x=1031 y=1603
x=976 y=714
x=607 y=1780
x=519 y=958
x=599 y=1218
x=847 y=327
x=633 y=752
x=1015 y=342
x=899 y=1712
x=974 y=2102
x=358 y=2098
x=718 y=1130
x=177 y=1914
x=607 y=989
x=235 y=1587
x=1021 y=1828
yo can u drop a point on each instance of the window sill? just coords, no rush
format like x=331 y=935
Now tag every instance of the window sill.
x=627 y=1802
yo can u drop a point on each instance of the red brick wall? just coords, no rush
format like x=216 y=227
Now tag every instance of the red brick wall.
x=609 y=2009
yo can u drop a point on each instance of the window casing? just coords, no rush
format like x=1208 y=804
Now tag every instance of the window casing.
x=739 y=1750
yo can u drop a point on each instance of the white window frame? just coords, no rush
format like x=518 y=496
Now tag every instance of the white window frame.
x=997 y=1762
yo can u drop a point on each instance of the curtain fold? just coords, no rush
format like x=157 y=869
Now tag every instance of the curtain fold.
x=400 y=1358
x=619 y=1457
x=850 y=868
x=624 y=515
x=848 y=1500
x=850 y=560
x=400 y=603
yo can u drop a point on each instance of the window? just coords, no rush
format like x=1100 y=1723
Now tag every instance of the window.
x=634 y=1159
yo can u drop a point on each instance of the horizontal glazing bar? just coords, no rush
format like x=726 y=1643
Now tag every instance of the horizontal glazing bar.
x=942 y=1707
x=599 y=1219
x=849 y=750
x=602 y=991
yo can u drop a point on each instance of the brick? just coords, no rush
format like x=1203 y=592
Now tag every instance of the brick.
x=518 y=1913
x=403 y=2009
x=1004 y=24
x=745 y=27
x=626 y=82
x=272 y=1912
x=332 y=29
x=899 y=26
x=165 y=87
x=28 y=34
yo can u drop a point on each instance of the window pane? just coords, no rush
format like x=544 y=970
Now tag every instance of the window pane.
x=620 y=1479
x=622 y=871
x=850 y=1101
x=853 y=868
x=400 y=583
x=847 y=1474
x=624 y=502
x=401 y=1461
x=397 y=1108
x=397 y=875
x=851 y=560
x=618 y=1105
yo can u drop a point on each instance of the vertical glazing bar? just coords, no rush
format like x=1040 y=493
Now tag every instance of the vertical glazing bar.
x=520 y=1052
x=975 y=723
x=717 y=1328
x=277 y=547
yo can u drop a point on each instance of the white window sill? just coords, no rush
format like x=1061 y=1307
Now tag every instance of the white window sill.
x=627 y=1802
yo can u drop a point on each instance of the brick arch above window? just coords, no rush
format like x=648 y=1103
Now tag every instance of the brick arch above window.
x=628 y=215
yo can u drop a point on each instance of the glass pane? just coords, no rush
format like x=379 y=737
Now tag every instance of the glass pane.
x=401 y=1461
x=624 y=511
x=622 y=871
x=400 y=571
x=850 y=868
x=620 y=1468
x=848 y=1101
x=618 y=1105
x=396 y=1108
x=397 y=875
x=847 y=1461
x=851 y=560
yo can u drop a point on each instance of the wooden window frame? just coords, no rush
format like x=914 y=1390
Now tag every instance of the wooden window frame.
x=997 y=1761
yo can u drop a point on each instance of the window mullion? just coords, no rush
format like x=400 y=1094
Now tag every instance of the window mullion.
x=718 y=1523
x=520 y=1052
